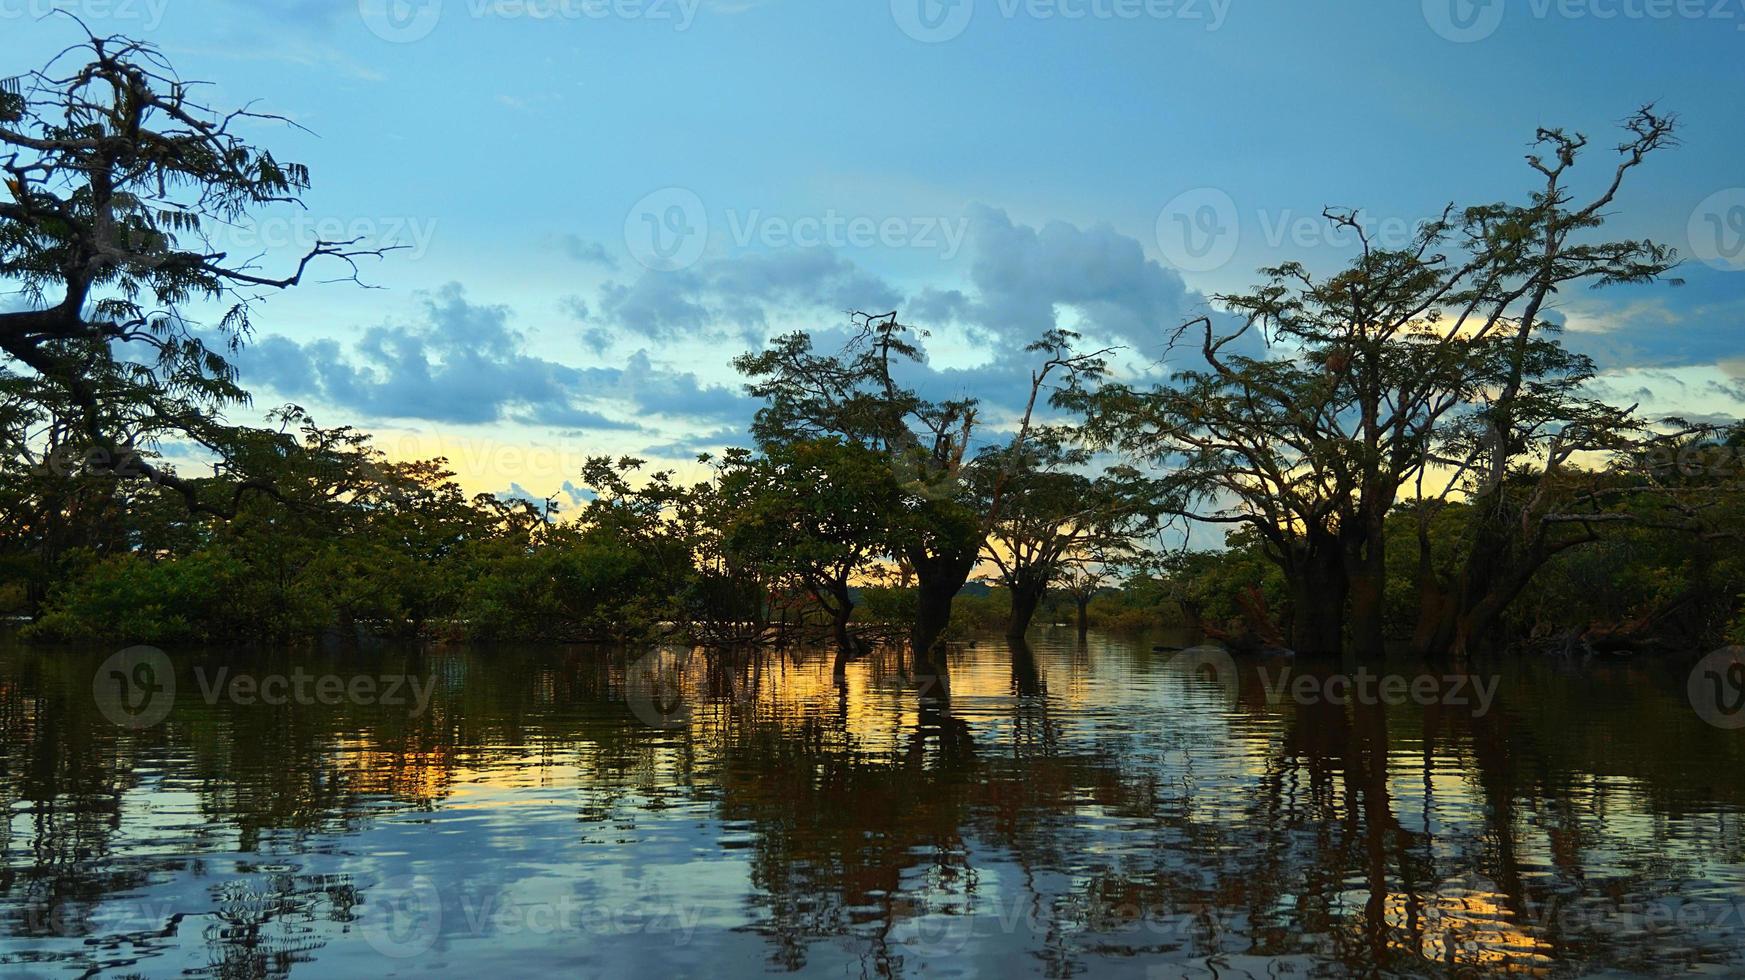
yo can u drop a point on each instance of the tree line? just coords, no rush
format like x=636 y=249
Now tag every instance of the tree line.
x=1401 y=451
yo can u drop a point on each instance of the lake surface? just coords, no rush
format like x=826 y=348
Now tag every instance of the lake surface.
x=1090 y=808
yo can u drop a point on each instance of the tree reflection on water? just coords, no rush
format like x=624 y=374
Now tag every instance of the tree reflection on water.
x=1071 y=806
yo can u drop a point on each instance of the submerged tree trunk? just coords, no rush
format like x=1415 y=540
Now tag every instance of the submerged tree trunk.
x=1084 y=604
x=1366 y=570
x=1026 y=677
x=847 y=648
x=1318 y=588
x=1026 y=598
x=1454 y=622
x=839 y=624
x=938 y=580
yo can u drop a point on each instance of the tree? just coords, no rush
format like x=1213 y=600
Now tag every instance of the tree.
x=349 y=541
x=1395 y=357
x=855 y=395
x=1081 y=582
x=1056 y=519
x=116 y=173
x=814 y=512
x=1660 y=536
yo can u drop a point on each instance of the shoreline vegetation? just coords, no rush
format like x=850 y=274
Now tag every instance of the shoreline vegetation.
x=1400 y=453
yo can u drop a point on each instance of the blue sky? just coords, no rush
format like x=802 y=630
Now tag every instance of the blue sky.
x=991 y=167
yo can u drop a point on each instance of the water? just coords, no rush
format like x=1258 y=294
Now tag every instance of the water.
x=1084 y=810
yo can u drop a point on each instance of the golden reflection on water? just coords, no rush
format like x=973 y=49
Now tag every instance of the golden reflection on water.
x=1072 y=807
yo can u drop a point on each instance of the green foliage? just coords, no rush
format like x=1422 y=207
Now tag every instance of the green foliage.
x=813 y=512
x=1142 y=602
x=887 y=604
x=209 y=595
x=1208 y=584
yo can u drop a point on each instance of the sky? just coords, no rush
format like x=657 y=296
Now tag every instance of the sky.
x=601 y=202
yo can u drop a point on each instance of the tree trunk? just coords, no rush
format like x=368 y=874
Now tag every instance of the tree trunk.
x=1367 y=572
x=1026 y=678
x=1084 y=604
x=1367 y=593
x=839 y=617
x=938 y=580
x=1025 y=600
x=1497 y=570
x=1433 y=635
x=1318 y=592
